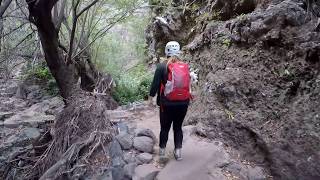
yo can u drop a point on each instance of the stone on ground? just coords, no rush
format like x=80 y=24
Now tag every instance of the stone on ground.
x=116 y=154
x=5 y=115
x=22 y=138
x=31 y=119
x=145 y=132
x=143 y=144
x=144 y=158
x=129 y=157
x=125 y=140
x=129 y=170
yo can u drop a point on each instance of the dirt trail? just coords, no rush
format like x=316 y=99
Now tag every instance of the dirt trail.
x=202 y=159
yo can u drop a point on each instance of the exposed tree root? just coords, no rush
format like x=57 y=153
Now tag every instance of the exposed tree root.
x=81 y=133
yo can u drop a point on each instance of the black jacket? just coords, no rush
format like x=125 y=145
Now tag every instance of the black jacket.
x=160 y=76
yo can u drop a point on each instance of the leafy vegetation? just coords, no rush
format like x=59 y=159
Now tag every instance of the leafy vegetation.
x=41 y=73
x=227 y=42
x=121 y=53
x=133 y=85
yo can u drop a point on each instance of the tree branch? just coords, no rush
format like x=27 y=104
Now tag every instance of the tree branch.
x=4 y=6
x=15 y=29
x=73 y=31
x=88 y=7
x=100 y=34
x=30 y=34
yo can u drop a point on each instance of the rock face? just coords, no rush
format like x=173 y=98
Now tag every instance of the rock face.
x=28 y=119
x=37 y=114
x=259 y=77
x=16 y=144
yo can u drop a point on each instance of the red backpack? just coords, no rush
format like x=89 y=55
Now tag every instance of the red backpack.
x=177 y=87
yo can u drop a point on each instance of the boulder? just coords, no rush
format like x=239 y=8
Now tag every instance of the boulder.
x=37 y=114
x=129 y=170
x=5 y=115
x=21 y=92
x=116 y=154
x=125 y=140
x=144 y=158
x=143 y=144
x=26 y=118
x=117 y=173
x=50 y=106
x=35 y=93
x=145 y=132
x=24 y=137
x=122 y=127
x=55 y=104
x=129 y=157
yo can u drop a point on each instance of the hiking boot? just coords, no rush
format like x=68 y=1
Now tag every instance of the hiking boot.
x=162 y=152
x=177 y=154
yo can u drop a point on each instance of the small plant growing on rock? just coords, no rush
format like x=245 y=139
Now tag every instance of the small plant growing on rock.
x=229 y=114
x=242 y=17
x=216 y=15
x=227 y=42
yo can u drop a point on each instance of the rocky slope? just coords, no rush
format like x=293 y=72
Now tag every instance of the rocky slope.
x=259 y=88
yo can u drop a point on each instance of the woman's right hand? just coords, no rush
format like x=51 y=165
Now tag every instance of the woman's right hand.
x=150 y=101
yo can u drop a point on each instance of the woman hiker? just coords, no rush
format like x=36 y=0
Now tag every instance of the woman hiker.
x=172 y=84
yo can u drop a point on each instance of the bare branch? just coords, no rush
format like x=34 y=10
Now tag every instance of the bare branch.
x=63 y=48
x=73 y=31
x=21 y=9
x=88 y=7
x=75 y=16
x=82 y=32
x=24 y=39
x=101 y=33
x=15 y=29
x=4 y=6
x=17 y=17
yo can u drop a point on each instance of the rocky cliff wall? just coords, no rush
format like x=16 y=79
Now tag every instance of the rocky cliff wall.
x=258 y=65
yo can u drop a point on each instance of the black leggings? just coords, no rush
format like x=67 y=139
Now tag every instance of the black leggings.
x=169 y=114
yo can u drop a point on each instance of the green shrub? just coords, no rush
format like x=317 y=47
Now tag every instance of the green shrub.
x=133 y=85
x=227 y=42
x=41 y=74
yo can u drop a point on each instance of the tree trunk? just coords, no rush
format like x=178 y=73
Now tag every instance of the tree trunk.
x=83 y=129
x=65 y=75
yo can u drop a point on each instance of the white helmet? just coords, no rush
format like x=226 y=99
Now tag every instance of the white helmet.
x=172 y=48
